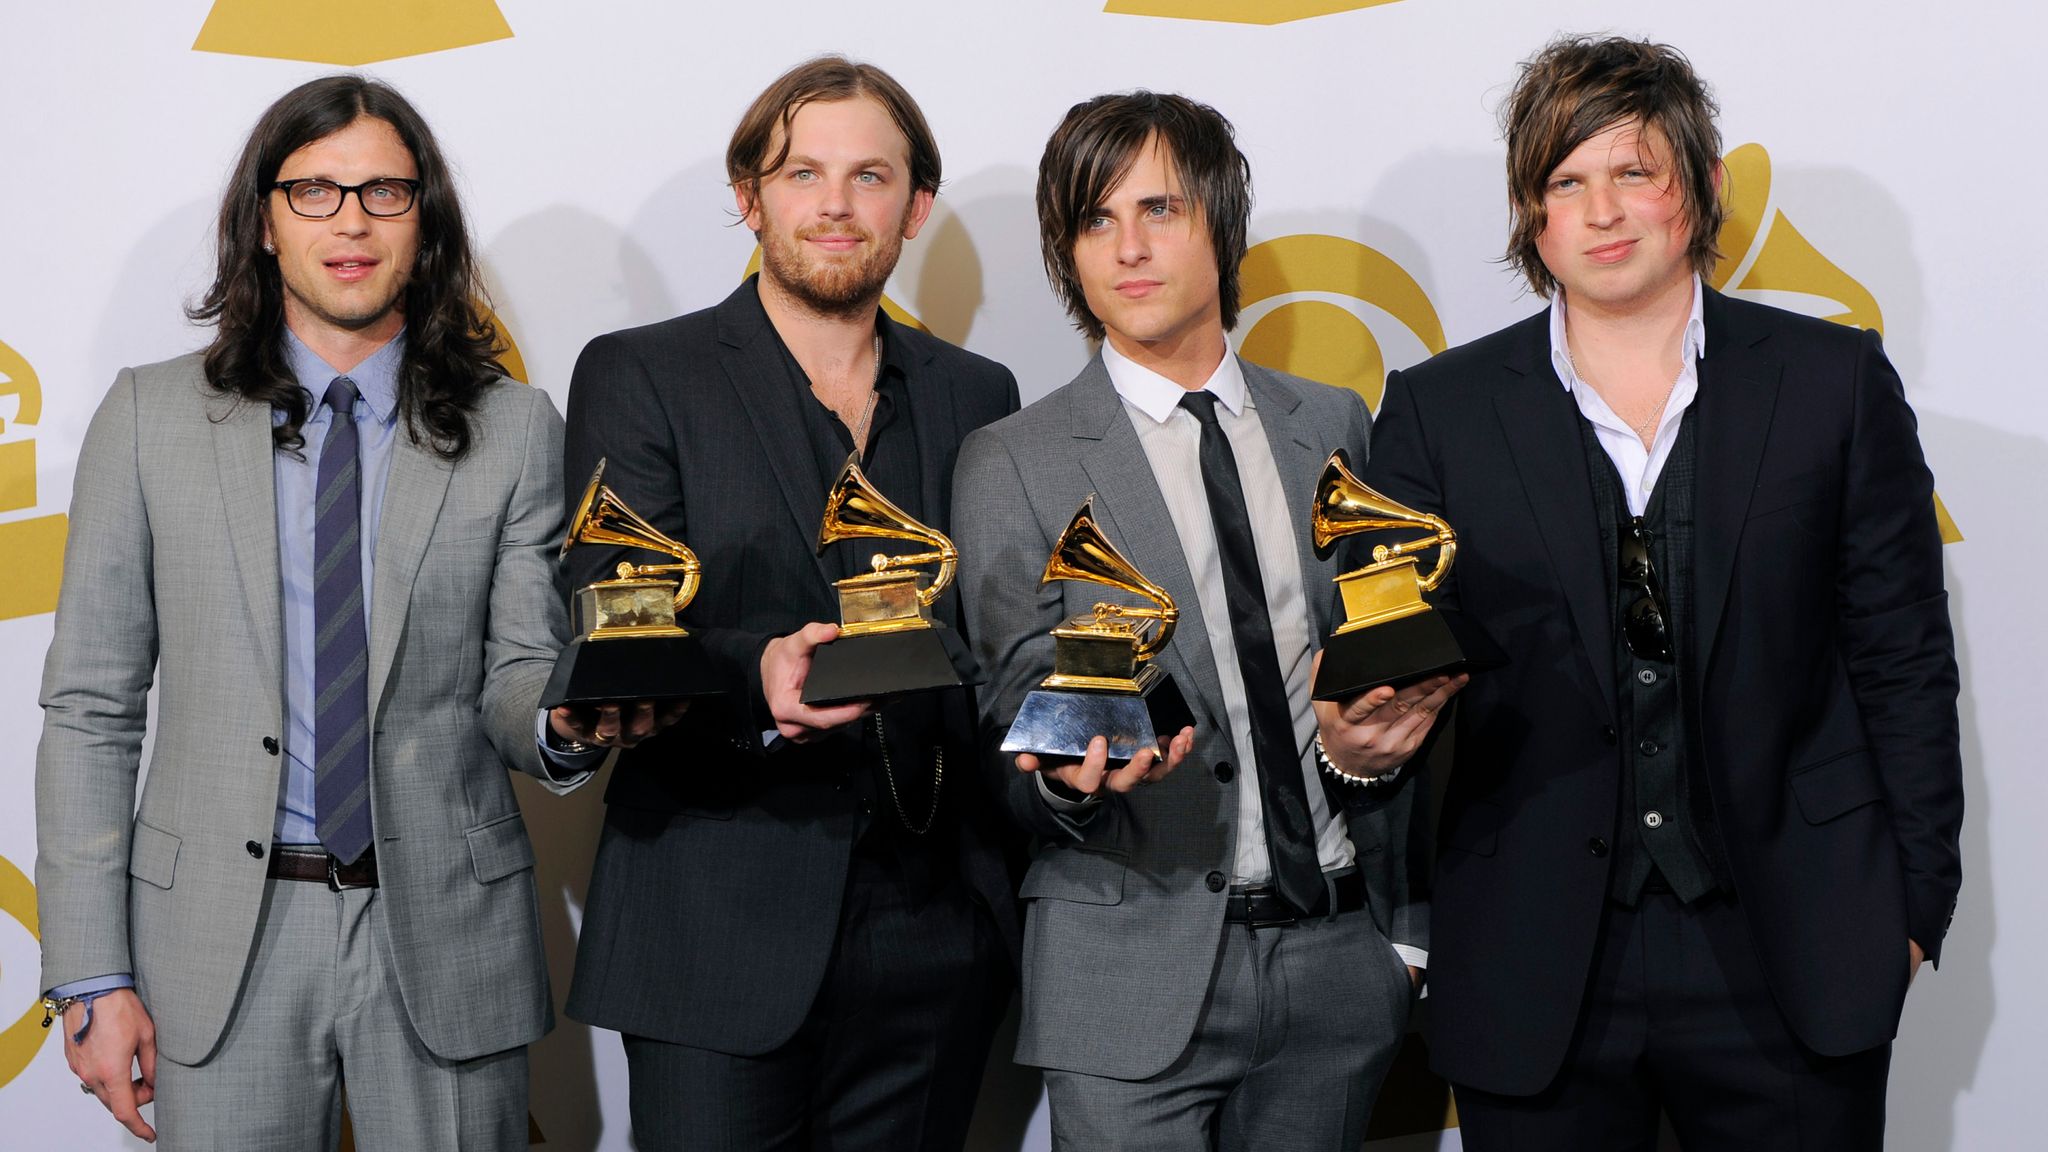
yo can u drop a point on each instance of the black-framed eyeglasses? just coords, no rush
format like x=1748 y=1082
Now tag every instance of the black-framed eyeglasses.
x=320 y=199
x=1643 y=620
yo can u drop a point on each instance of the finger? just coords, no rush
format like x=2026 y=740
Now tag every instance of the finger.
x=1365 y=704
x=643 y=720
x=811 y=635
x=1177 y=749
x=1086 y=777
x=119 y=1097
x=1135 y=773
x=607 y=727
x=1026 y=762
x=145 y=1055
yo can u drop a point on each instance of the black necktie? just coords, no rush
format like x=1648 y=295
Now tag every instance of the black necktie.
x=1283 y=794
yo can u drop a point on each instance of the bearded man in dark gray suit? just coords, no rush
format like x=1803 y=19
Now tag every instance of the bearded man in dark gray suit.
x=1224 y=932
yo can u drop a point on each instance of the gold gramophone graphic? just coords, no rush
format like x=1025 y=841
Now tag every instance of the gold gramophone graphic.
x=1103 y=681
x=1390 y=634
x=888 y=642
x=638 y=604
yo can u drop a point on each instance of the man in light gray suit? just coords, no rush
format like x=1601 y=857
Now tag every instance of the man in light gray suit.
x=327 y=541
x=1221 y=947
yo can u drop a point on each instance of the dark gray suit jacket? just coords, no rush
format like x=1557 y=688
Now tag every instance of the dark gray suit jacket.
x=1123 y=925
x=715 y=897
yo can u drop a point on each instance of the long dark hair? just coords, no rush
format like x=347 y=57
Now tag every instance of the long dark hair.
x=451 y=350
x=1092 y=151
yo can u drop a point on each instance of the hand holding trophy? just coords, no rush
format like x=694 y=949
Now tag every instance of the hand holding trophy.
x=1390 y=634
x=888 y=642
x=1103 y=682
x=628 y=645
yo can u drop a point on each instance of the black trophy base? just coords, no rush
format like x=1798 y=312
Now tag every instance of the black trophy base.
x=1400 y=652
x=889 y=664
x=629 y=668
x=1060 y=723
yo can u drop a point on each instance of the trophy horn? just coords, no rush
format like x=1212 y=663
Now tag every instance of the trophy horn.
x=1084 y=553
x=855 y=509
x=602 y=518
x=1345 y=505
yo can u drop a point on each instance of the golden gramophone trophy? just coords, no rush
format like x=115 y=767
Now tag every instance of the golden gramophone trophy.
x=1103 y=682
x=888 y=642
x=1390 y=634
x=662 y=661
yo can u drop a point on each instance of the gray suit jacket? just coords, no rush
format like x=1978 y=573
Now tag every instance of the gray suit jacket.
x=1124 y=922
x=171 y=578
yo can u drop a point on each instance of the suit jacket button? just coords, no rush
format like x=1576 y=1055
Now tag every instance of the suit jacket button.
x=1216 y=882
x=255 y=849
x=1224 y=772
x=270 y=745
x=1597 y=846
x=1610 y=735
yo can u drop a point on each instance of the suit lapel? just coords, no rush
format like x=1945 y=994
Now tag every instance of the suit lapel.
x=754 y=366
x=248 y=487
x=1299 y=458
x=1539 y=422
x=1133 y=511
x=1738 y=395
x=936 y=422
x=413 y=490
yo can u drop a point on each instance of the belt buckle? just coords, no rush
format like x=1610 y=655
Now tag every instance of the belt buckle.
x=334 y=883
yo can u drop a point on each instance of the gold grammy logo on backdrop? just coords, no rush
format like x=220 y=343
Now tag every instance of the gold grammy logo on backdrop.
x=34 y=546
x=1239 y=11
x=20 y=1042
x=1311 y=336
x=1762 y=252
x=352 y=33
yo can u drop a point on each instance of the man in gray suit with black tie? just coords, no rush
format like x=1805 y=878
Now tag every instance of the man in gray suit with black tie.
x=328 y=541
x=1224 y=933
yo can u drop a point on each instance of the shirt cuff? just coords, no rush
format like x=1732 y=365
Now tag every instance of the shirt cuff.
x=1061 y=803
x=1416 y=957
x=564 y=767
x=87 y=991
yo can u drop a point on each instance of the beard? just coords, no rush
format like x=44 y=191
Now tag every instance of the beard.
x=847 y=288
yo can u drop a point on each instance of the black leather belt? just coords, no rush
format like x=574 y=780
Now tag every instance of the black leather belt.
x=301 y=862
x=1261 y=906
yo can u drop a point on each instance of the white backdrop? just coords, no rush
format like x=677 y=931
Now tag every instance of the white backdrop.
x=1895 y=182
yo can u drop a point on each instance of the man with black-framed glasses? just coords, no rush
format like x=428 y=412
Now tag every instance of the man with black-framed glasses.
x=329 y=540
x=1701 y=830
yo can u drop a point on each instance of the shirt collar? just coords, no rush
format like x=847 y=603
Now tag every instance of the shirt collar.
x=1158 y=397
x=1692 y=346
x=376 y=378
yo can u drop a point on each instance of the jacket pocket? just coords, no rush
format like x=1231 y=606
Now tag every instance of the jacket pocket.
x=1836 y=785
x=153 y=855
x=1080 y=874
x=499 y=848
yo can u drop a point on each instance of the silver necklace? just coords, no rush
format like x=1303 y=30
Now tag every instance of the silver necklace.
x=1641 y=429
x=860 y=430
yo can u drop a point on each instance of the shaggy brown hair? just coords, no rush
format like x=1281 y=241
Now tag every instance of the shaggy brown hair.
x=1578 y=87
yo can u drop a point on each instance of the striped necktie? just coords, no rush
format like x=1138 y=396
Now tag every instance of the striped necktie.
x=341 y=650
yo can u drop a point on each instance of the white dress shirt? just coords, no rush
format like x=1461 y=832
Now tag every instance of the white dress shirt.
x=1637 y=466
x=1172 y=439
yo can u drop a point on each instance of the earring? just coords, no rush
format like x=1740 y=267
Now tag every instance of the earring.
x=268 y=250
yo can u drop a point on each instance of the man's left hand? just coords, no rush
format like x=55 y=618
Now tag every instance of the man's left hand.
x=615 y=724
x=1914 y=955
x=1377 y=731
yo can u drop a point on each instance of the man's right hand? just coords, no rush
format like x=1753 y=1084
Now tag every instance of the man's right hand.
x=122 y=1036
x=1092 y=773
x=785 y=663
